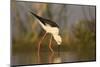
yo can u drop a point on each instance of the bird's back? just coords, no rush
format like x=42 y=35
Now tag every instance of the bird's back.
x=49 y=22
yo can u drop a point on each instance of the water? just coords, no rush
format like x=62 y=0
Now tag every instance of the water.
x=44 y=57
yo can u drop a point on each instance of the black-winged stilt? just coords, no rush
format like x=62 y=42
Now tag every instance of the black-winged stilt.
x=50 y=27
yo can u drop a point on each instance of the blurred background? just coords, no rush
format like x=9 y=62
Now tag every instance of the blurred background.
x=77 y=28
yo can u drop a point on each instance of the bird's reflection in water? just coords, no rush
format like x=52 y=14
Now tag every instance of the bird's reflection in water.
x=57 y=60
x=54 y=57
x=48 y=57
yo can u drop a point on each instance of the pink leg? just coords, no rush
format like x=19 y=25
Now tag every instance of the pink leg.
x=41 y=41
x=50 y=44
x=51 y=55
x=39 y=47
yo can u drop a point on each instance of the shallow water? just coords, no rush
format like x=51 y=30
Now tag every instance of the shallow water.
x=47 y=57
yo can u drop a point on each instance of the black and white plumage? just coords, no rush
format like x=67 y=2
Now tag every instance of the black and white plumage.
x=50 y=27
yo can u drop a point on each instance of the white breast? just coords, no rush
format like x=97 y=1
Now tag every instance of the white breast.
x=52 y=30
x=55 y=32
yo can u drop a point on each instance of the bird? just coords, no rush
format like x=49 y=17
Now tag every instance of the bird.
x=50 y=27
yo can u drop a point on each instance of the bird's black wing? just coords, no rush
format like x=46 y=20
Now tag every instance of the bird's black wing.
x=38 y=17
x=49 y=22
x=45 y=21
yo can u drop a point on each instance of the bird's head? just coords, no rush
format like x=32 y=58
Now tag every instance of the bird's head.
x=58 y=39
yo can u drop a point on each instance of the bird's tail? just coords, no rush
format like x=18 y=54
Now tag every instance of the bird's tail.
x=35 y=15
